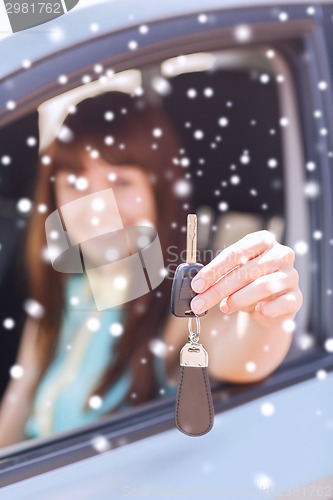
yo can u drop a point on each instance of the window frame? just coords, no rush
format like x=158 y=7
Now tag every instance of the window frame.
x=29 y=88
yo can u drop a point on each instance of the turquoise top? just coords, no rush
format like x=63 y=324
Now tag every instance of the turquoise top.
x=83 y=352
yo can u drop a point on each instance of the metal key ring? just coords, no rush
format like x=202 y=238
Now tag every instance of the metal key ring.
x=194 y=336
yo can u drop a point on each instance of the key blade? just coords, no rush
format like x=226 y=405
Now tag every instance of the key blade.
x=191 y=245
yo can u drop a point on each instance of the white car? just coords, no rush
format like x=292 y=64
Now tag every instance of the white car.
x=246 y=84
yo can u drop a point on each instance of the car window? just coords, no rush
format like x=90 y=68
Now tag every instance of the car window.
x=229 y=114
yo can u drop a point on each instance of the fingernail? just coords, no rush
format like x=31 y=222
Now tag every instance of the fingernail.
x=198 y=285
x=258 y=308
x=197 y=303
x=225 y=308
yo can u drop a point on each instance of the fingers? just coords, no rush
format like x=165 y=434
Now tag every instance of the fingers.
x=263 y=288
x=239 y=253
x=264 y=264
x=288 y=303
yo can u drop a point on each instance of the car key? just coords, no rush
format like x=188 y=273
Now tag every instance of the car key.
x=181 y=292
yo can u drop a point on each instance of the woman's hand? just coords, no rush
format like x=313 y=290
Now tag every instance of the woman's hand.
x=261 y=279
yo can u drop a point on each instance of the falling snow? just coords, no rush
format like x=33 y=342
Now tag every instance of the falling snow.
x=24 y=205
x=100 y=444
x=16 y=371
x=8 y=323
x=109 y=115
x=182 y=188
x=250 y=366
x=301 y=247
x=33 y=308
x=63 y=79
x=116 y=329
x=95 y=402
x=6 y=160
x=65 y=134
x=93 y=324
x=242 y=33
x=191 y=93
x=267 y=409
x=329 y=345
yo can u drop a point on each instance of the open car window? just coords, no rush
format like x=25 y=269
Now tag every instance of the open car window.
x=233 y=159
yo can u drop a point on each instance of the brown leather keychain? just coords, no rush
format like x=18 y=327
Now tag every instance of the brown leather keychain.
x=194 y=411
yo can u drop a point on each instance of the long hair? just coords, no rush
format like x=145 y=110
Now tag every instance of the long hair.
x=132 y=126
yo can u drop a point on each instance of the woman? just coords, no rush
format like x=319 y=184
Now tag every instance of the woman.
x=117 y=141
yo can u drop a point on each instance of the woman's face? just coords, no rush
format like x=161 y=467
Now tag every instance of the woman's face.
x=131 y=187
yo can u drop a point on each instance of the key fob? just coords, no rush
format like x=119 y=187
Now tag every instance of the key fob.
x=181 y=291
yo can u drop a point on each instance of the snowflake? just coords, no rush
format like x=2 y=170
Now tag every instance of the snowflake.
x=65 y=134
x=182 y=188
x=95 y=402
x=8 y=323
x=250 y=366
x=301 y=247
x=322 y=85
x=86 y=79
x=109 y=140
x=329 y=345
x=198 y=134
x=31 y=141
x=191 y=93
x=10 y=105
x=223 y=206
x=93 y=324
x=161 y=85
x=24 y=205
x=317 y=235
x=26 y=63
x=100 y=444
x=311 y=166
x=311 y=10
x=235 y=179
x=157 y=132
x=133 y=45
x=242 y=33
x=272 y=163
x=62 y=79
x=270 y=53
x=98 y=68
x=108 y=116
x=6 y=160
x=46 y=160
x=312 y=189
x=264 y=78
x=202 y=18
x=263 y=482
x=321 y=374
x=16 y=371
x=284 y=122
x=185 y=162
x=94 y=27
x=143 y=29
x=81 y=183
x=208 y=92
x=283 y=16
x=116 y=329
x=267 y=409
x=223 y=121
x=120 y=283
